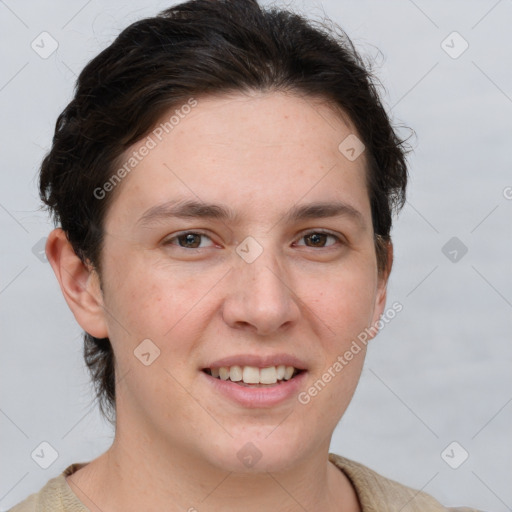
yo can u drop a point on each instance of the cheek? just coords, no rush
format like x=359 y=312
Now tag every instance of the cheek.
x=148 y=299
x=345 y=311
x=149 y=302
x=344 y=301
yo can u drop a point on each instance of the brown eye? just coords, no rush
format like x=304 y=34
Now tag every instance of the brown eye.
x=319 y=239
x=316 y=239
x=189 y=240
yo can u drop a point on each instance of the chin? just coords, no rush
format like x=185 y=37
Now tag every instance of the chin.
x=257 y=450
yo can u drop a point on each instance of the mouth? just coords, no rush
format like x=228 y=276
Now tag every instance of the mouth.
x=254 y=377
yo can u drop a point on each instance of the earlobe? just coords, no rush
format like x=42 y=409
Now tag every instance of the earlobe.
x=79 y=284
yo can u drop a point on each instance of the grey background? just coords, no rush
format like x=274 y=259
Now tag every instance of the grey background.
x=438 y=373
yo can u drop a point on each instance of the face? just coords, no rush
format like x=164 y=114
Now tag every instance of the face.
x=242 y=241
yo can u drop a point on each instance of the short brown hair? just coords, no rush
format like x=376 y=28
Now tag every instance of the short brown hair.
x=198 y=48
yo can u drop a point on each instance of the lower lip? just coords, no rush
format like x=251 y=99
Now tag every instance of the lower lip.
x=258 y=397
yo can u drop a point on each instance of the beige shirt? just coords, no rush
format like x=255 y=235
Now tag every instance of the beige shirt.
x=375 y=493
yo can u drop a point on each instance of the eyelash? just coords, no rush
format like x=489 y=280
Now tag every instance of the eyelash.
x=169 y=241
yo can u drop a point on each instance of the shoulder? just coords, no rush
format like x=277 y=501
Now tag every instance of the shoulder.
x=55 y=496
x=377 y=493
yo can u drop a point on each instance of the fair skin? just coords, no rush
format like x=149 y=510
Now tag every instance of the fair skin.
x=178 y=437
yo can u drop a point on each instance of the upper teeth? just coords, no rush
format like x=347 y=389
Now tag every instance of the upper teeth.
x=254 y=375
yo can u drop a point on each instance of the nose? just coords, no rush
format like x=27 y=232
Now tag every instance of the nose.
x=261 y=298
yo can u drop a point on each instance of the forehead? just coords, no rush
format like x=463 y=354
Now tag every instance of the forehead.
x=255 y=151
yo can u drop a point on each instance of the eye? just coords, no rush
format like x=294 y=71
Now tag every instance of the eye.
x=188 y=240
x=319 y=239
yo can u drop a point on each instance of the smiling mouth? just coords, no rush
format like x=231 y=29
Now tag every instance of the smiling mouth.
x=254 y=377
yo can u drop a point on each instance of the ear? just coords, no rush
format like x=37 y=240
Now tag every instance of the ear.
x=79 y=283
x=382 y=285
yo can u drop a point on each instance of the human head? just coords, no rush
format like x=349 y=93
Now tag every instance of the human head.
x=194 y=50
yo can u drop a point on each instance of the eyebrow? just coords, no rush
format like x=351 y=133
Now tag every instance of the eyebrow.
x=187 y=209
x=320 y=210
x=201 y=210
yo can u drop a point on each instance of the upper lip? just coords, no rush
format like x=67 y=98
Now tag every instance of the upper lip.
x=258 y=361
